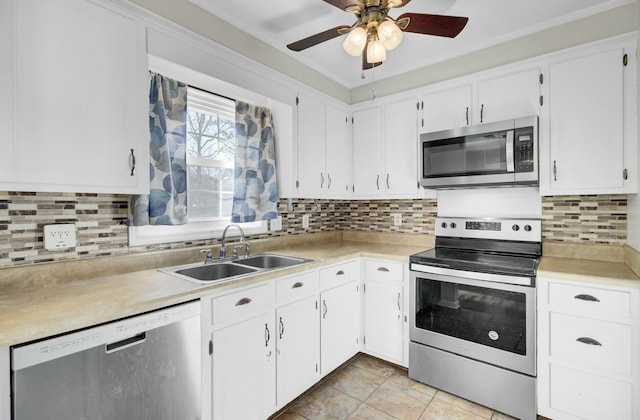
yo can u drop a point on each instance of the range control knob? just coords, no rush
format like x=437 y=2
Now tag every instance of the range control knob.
x=515 y=228
x=443 y=225
x=453 y=225
x=528 y=228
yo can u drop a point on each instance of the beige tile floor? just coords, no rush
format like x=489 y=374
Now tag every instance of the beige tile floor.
x=369 y=388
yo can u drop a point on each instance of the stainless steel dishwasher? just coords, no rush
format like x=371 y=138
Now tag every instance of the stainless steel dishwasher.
x=144 y=367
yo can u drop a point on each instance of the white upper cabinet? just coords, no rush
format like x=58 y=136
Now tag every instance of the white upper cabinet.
x=446 y=109
x=324 y=146
x=511 y=95
x=592 y=123
x=385 y=149
x=487 y=97
x=81 y=98
x=367 y=152
x=7 y=139
x=337 y=153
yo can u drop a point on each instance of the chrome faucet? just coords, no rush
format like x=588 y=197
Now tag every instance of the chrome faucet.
x=223 y=248
x=208 y=258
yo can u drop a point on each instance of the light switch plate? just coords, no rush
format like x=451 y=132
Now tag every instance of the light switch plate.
x=59 y=236
x=305 y=221
x=397 y=219
x=275 y=224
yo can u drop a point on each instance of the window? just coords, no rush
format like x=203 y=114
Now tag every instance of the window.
x=210 y=155
x=210 y=163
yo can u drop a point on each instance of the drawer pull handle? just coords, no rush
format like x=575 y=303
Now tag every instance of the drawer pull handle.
x=588 y=298
x=243 y=301
x=340 y=273
x=297 y=284
x=383 y=269
x=589 y=341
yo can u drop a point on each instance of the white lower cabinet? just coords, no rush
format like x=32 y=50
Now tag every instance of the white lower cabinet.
x=339 y=314
x=588 y=341
x=298 y=336
x=243 y=354
x=383 y=310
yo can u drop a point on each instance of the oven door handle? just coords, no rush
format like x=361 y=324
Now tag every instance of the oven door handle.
x=473 y=275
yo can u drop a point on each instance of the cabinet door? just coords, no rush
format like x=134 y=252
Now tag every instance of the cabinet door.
x=367 y=153
x=298 y=329
x=7 y=139
x=401 y=148
x=81 y=97
x=311 y=147
x=446 y=109
x=383 y=327
x=508 y=96
x=337 y=153
x=244 y=369
x=339 y=326
x=586 y=124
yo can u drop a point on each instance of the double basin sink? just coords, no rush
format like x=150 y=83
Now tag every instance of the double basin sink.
x=205 y=273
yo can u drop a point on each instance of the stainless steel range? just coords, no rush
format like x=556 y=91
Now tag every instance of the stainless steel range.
x=473 y=305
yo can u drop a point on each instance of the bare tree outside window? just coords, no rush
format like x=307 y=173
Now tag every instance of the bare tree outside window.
x=210 y=155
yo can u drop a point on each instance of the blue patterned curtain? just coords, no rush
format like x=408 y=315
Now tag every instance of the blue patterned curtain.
x=255 y=192
x=166 y=203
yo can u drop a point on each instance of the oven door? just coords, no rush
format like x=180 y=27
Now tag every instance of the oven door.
x=483 y=320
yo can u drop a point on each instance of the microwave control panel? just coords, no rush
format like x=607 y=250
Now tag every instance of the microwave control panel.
x=524 y=149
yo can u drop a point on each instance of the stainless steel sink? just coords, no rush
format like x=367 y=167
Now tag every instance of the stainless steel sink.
x=217 y=271
x=223 y=270
x=270 y=261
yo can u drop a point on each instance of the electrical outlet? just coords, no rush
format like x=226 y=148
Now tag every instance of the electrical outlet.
x=59 y=236
x=275 y=224
x=397 y=219
x=305 y=221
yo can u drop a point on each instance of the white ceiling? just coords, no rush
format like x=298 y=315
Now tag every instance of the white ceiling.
x=281 y=22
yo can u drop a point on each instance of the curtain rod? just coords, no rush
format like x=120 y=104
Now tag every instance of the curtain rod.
x=212 y=93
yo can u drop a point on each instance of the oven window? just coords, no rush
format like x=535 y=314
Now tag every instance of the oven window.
x=491 y=317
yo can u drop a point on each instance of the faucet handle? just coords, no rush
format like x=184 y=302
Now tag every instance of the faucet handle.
x=234 y=254
x=209 y=255
x=246 y=249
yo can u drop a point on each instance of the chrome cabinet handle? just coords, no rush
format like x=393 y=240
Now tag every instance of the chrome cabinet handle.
x=378 y=181
x=321 y=180
x=324 y=309
x=399 y=301
x=132 y=162
x=383 y=269
x=281 y=328
x=588 y=298
x=267 y=335
x=328 y=181
x=243 y=301
x=588 y=341
x=297 y=284
x=466 y=115
x=481 y=113
x=388 y=182
x=555 y=171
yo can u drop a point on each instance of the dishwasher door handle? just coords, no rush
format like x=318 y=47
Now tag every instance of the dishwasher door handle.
x=127 y=342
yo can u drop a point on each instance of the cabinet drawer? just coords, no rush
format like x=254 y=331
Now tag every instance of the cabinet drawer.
x=242 y=303
x=588 y=396
x=599 y=344
x=339 y=274
x=383 y=270
x=589 y=301
x=297 y=287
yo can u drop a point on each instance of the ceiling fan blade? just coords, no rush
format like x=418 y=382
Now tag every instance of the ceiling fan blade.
x=401 y=4
x=438 y=25
x=352 y=6
x=317 y=38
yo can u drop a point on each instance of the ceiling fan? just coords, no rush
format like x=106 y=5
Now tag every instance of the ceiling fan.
x=375 y=32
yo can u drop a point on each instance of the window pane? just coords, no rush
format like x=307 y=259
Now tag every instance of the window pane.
x=210 y=156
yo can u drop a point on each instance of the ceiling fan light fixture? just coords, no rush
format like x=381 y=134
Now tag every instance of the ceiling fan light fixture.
x=376 y=52
x=355 y=41
x=390 y=34
x=393 y=3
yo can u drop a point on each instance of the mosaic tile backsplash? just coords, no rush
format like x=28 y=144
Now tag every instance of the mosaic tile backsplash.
x=101 y=221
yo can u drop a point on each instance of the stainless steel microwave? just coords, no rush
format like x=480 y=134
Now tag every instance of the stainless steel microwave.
x=493 y=154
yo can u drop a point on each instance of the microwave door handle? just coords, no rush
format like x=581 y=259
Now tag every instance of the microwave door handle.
x=509 y=145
